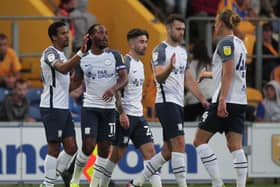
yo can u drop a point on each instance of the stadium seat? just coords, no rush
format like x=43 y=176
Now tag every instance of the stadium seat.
x=34 y=96
x=254 y=96
x=249 y=42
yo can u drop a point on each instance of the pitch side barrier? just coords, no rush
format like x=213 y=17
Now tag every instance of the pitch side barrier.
x=23 y=149
x=209 y=21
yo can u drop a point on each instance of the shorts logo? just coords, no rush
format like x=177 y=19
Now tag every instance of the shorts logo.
x=112 y=129
x=275 y=142
x=125 y=139
x=87 y=130
x=180 y=126
x=227 y=50
x=204 y=116
x=59 y=133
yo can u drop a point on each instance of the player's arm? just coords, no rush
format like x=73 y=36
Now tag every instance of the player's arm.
x=226 y=53
x=122 y=81
x=52 y=58
x=124 y=121
x=192 y=85
x=161 y=71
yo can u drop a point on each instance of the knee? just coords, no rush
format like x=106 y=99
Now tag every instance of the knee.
x=197 y=142
x=104 y=149
x=178 y=144
x=166 y=153
x=71 y=149
x=88 y=146
x=232 y=146
x=148 y=153
x=53 y=149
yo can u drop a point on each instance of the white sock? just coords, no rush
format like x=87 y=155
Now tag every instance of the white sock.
x=178 y=161
x=108 y=170
x=155 y=179
x=150 y=168
x=80 y=162
x=50 y=171
x=209 y=160
x=98 y=171
x=63 y=161
x=241 y=166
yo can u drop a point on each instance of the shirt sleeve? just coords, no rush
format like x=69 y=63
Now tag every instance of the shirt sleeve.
x=120 y=63
x=51 y=57
x=159 y=56
x=226 y=49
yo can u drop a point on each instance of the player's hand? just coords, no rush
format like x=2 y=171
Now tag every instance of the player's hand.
x=173 y=61
x=222 y=109
x=108 y=95
x=124 y=121
x=205 y=104
x=84 y=44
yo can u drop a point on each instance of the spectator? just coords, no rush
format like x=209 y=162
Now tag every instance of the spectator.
x=269 y=47
x=9 y=64
x=15 y=106
x=202 y=8
x=201 y=62
x=64 y=9
x=269 y=109
x=81 y=26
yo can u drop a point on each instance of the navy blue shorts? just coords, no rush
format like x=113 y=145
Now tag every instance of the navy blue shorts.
x=233 y=123
x=171 y=117
x=139 y=132
x=58 y=124
x=98 y=123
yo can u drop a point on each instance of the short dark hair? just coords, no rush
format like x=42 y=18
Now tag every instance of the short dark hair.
x=92 y=28
x=134 y=33
x=267 y=26
x=174 y=17
x=21 y=81
x=3 y=36
x=52 y=30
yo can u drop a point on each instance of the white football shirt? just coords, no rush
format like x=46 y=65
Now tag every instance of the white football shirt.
x=230 y=48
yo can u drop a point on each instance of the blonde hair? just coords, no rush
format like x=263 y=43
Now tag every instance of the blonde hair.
x=230 y=18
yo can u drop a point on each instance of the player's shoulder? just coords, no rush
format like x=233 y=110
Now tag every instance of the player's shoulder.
x=227 y=41
x=127 y=59
x=112 y=51
x=50 y=50
x=160 y=47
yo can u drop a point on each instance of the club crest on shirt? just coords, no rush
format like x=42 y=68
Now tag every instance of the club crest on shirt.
x=227 y=50
x=51 y=57
x=108 y=62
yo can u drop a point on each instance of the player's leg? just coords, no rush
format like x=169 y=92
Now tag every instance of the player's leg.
x=65 y=157
x=153 y=165
x=120 y=144
x=239 y=159
x=148 y=151
x=235 y=127
x=106 y=134
x=52 y=121
x=89 y=122
x=172 y=118
x=142 y=138
x=207 y=127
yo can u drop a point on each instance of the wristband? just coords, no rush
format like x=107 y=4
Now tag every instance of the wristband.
x=80 y=53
